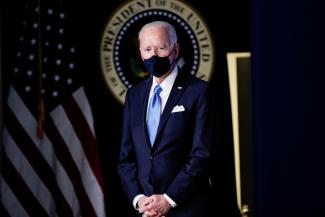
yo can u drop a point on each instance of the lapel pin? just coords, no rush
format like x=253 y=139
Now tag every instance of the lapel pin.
x=179 y=87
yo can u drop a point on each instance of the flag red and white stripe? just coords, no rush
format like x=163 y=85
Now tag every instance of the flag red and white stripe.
x=57 y=175
x=57 y=172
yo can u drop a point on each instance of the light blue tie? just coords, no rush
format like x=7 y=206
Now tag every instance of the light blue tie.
x=154 y=114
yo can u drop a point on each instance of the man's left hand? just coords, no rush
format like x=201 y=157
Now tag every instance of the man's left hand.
x=158 y=206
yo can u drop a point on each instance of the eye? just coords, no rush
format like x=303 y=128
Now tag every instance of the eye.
x=147 y=49
x=161 y=48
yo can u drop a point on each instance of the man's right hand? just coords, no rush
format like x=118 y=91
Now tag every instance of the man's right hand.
x=145 y=209
x=143 y=202
x=156 y=206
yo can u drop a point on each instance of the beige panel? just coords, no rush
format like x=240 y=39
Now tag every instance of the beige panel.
x=233 y=86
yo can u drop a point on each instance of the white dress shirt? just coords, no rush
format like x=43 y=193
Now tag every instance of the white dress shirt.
x=166 y=86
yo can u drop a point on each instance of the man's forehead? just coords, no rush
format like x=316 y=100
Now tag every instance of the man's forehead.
x=153 y=31
x=154 y=41
x=158 y=39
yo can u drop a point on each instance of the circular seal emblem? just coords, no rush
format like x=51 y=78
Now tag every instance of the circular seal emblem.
x=120 y=58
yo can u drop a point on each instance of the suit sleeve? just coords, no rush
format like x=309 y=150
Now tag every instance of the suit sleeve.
x=127 y=168
x=194 y=173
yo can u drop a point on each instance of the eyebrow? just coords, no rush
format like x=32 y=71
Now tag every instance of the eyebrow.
x=163 y=46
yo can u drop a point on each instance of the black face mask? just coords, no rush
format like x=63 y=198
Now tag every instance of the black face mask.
x=158 y=66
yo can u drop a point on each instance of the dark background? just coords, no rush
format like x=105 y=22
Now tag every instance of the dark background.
x=228 y=21
x=288 y=107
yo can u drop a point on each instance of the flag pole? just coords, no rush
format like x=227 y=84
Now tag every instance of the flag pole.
x=41 y=109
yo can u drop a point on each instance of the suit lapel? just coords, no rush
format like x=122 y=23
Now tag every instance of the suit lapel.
x=174 y=96
x=143 y=109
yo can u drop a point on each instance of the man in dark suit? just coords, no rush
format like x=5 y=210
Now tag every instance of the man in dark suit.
x=166 y=135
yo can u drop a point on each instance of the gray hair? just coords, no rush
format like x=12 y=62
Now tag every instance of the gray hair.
x=172 y=36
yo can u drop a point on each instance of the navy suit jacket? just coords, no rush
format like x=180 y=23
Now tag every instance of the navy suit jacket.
x=177 y=164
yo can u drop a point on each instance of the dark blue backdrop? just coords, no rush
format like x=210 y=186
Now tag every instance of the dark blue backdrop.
x=289 y=112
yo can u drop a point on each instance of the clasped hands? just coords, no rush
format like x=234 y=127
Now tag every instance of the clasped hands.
x=154 y=206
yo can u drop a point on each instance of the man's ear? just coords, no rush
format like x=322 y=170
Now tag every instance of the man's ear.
x=177 y=50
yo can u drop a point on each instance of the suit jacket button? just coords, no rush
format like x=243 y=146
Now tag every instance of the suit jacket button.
x=151 y=157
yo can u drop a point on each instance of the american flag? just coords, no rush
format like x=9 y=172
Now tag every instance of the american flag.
x=55 y=172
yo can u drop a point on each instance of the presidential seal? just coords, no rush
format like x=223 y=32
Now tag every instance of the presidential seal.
x=120 y=58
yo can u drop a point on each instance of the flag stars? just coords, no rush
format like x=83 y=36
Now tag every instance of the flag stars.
x=69 y=81
x=33 y=41
x=71 y=65
x=47 y=43
x=35 y=25
x=50 y=11
x=45 y=59
x=48 y=28
x=72 y=50
x=61 y=31
x=56 y=78
x=44 y=75
x=58 y=62
x=18 y=54
x=16 y=70
x=31 y=57
x=60 y=46
x=29 y=73
x=21 y=38
x=62 y=15
x=55 y=93
x=43 y=91
x=28 y=88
